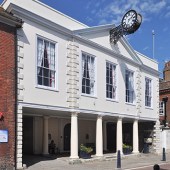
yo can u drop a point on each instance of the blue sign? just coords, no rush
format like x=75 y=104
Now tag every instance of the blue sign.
x=3 y=136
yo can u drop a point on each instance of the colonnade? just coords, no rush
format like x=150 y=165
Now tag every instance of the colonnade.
x=100 y=136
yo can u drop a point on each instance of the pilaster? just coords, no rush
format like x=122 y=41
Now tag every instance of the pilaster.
x=45 y=135
x=72 y=74
x=157 y=131
x=20 y=89
x=138 y=92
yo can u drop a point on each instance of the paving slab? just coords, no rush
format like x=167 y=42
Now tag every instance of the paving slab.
x=108 y=162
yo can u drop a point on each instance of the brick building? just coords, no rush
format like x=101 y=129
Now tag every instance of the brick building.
x=8 y=27
x=164 y=92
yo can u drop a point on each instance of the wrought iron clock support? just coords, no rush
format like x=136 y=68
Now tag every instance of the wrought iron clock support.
x=131 y=21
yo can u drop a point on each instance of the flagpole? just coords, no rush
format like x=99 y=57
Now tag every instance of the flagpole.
x=153 y=44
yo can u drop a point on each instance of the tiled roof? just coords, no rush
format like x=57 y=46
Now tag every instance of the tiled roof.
x=164 y=85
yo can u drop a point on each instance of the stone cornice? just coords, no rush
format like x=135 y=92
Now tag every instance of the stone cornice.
x=38 y=19
x=9 y=19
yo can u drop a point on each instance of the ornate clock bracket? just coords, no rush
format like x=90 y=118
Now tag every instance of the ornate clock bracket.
x=133 y=20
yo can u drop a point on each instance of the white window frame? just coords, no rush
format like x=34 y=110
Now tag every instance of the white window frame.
x=130 y=92
x=148 y=97
x=161 y=108
x=55 y=88
x=92 y=78
x=113 y=95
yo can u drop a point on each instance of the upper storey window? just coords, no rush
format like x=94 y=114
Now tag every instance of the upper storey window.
x=46 y=70
x=110 y=80
x=148 y=92
x=129 y=86
x=88 y=74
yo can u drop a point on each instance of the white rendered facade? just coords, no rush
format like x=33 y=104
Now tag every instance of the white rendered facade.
x=60 y=107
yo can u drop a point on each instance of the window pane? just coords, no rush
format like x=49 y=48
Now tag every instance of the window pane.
x=88 y=74
x=110 y=80
x=45 y=63
x=129 y=86
x=148 y=92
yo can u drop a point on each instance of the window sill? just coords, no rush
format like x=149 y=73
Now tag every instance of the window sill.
x=112 y=100
x=147 y=107
x=87 y=95
x=46 y=88
x=132 y=104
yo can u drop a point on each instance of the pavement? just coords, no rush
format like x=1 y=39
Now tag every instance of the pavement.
x=108 y=162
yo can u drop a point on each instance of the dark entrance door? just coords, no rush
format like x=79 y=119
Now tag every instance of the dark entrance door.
x=67 y=135
x=111 y=136
x=28 y=135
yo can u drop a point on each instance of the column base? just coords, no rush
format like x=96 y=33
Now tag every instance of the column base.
x=45 y=154
x=74 y=157
x=135 y=152
x=98 y=155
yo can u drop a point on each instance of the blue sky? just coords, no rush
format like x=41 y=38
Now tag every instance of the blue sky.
x=155 y=13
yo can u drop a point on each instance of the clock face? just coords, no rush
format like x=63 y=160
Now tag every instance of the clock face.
x=129 y=19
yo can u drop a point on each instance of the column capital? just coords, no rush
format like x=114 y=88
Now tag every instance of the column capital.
x=136 y=119
x=74 y=114
x=46 y=117
x=120 y=117
x=100 y=116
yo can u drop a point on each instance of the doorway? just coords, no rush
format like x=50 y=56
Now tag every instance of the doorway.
x=27 y=135
x=111 y=136
x=67 y=135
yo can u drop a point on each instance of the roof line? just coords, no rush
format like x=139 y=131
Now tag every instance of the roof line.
x=146 y=56
x=47 y=6
x=4 y=15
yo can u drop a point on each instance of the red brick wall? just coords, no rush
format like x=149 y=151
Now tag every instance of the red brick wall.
x=7 y=93
x=162 y=95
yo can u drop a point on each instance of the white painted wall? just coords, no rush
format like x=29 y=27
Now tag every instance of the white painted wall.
x=33 y=94
x=58 y=97
x=103 y=38
x=38 y=135
x=99 y=101
x=83 y=129
x=164 y=140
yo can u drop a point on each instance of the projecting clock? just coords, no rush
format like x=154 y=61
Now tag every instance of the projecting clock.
x=129 y=20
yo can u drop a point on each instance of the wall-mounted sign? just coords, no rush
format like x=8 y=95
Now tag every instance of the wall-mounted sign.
x=3 y=136
x=131 y=21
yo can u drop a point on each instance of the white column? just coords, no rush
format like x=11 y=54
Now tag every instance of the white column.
x=74 y=136
x=105 y=136
x=119 y=135
x=99 y=136
x=135 y=137
x=45 y=136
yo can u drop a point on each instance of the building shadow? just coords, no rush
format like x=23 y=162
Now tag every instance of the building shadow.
x=30 y=160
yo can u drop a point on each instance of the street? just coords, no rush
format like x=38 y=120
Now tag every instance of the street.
x=130 y=162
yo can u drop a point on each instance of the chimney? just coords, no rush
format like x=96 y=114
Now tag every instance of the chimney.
x=166 y=71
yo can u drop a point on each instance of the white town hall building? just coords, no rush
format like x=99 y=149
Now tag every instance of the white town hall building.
x=74 y=87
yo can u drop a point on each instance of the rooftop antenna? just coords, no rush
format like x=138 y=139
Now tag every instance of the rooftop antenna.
x=153 y=43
